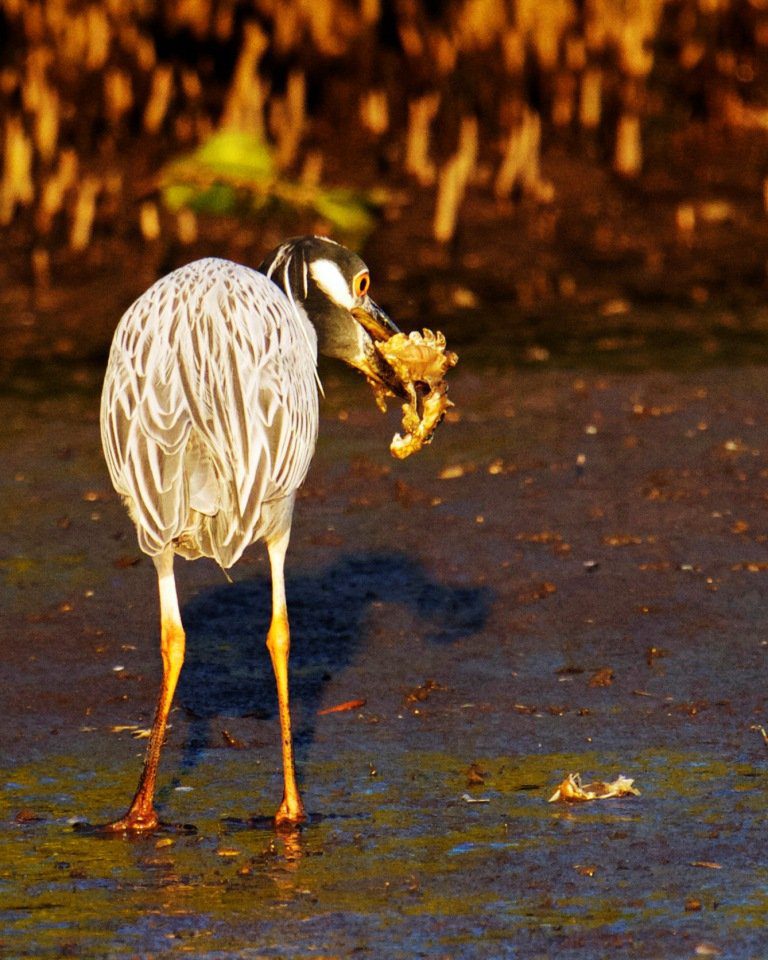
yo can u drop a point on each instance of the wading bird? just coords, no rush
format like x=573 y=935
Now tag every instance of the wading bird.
x=209 y=416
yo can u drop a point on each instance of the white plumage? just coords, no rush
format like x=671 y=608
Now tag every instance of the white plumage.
x=209 y=410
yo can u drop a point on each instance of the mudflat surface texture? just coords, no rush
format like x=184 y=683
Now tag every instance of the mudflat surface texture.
x=570 y=579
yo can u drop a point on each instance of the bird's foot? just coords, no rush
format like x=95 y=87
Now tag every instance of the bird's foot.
x=135 y=826
x=134 y=822
x=290 y=815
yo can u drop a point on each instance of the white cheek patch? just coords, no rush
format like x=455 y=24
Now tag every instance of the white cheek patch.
x=332 y=282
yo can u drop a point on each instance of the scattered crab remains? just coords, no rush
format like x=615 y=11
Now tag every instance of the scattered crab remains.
x=572 y=790
x=418 y=360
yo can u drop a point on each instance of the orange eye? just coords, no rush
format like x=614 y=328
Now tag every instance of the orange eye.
x=361 y=283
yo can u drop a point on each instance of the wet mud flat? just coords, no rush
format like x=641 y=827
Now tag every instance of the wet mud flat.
x=572 y=578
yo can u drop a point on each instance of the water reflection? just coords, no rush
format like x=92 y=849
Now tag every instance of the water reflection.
x=401 y=870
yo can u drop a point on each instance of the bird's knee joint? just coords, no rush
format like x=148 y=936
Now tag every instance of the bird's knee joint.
x=276 y=643
x=172 y=632
x=278 y=637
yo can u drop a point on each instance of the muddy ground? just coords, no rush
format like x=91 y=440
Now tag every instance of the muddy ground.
x=571 y=579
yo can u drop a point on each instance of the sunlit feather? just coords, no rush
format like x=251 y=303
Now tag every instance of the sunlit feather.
x=209 y=408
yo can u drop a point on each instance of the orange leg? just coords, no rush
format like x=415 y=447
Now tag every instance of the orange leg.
x=141 y=815
x=291 y=809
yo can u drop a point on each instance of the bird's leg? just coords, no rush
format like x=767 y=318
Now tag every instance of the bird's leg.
x=291 y=809
x=141 y=815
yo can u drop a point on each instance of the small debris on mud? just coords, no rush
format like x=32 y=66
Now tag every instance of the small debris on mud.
x=653 y=654
x=603 y=677
x=233 y=742
x=761 y=731
x=421 y=693
x=525 y=708
x=571 y=790
x=467 y=798
x=539 y=592
x=548 y=537
x=625 y=540
x=539 y=536
x=475 y=775
x=123 y=728
x=453 y=472
x=96 y=496
x=569 y=670
x=28 y=816
x=707 y=950
x=344 y=707
x=555 y=710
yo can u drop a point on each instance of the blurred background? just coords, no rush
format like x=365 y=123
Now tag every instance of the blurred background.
x=542 y=179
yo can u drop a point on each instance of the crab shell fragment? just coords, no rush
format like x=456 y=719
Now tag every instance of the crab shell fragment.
x=417 y=359
x=572 y=790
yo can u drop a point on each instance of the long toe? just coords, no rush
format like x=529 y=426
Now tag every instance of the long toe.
x=134 y=823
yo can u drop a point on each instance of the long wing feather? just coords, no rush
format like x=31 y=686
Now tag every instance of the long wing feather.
x=209 y=408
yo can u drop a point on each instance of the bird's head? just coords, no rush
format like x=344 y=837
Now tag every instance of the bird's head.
x=330 y=284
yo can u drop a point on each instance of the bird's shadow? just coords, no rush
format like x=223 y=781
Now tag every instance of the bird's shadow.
x=227 y=671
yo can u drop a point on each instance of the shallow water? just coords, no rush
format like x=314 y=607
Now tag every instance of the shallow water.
x=400 y=865
x=565 y=522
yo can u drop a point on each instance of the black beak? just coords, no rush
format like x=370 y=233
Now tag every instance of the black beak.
x=379 y=327
x=374 y=321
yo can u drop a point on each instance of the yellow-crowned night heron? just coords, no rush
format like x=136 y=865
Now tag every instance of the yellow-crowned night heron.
x=209 y=417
